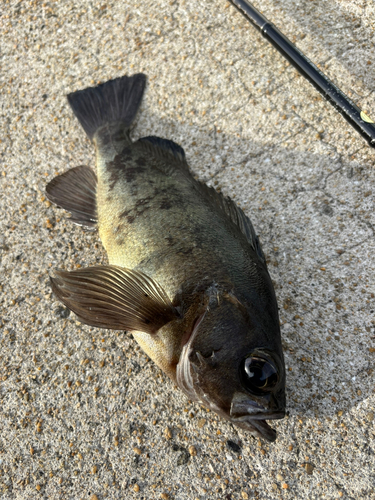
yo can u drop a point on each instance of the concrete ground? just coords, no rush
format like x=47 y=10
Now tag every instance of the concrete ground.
x=84 y=414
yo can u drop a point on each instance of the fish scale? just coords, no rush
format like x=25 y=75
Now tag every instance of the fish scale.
x=158 y=210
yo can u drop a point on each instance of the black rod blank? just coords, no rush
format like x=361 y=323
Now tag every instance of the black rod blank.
x=350 y=111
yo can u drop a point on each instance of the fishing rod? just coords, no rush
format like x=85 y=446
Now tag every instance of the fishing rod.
x=350 y=111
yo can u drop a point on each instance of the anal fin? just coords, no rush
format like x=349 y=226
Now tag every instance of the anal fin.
x=114 y=297
x=75 y=191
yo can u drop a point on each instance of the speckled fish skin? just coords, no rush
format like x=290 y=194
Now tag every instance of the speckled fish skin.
x=154 y=218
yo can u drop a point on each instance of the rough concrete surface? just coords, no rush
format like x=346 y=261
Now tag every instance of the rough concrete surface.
x=83 y=413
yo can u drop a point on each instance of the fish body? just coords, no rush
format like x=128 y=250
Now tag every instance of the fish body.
x=186 y=274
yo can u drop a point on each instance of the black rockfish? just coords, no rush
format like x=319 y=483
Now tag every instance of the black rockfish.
x=187 y=274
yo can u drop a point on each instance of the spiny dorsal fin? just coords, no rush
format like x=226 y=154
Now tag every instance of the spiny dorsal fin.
x=235 y=213
x=75 y=191
x=166 y=145
x=114 y=297
x=170 y=156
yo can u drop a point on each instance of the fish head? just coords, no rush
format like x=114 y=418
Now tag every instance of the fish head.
x=233 y=364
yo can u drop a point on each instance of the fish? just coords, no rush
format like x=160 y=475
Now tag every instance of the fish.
x=187 y=276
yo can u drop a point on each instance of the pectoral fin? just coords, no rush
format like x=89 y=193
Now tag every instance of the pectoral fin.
x=114 y=297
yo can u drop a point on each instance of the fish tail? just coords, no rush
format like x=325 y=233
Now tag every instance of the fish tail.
x=115 y=101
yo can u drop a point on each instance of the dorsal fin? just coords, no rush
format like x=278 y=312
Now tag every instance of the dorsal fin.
x=168 y=150
x=167 y=145
x=172 y=155
x=235 y=213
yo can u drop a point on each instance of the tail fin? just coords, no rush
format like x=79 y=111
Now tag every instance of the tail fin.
x=117 y=100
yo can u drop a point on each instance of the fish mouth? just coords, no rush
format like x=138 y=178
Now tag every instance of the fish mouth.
x=257 y=424
x=252 y=415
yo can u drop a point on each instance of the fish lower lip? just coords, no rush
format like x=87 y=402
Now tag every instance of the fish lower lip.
x=264 y=429
x=258 y=425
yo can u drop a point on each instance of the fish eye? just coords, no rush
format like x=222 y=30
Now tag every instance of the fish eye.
x=258 y=374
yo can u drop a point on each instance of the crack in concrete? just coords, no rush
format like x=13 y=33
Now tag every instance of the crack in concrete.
x=344 y=251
